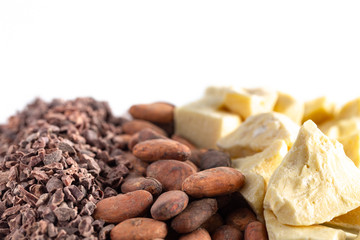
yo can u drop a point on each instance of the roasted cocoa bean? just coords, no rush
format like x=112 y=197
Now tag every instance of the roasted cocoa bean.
x=194 y=215
x=161 y=149
x=123 y=206
x=169 y=204
x=139 y=229
x=213 y=182
x=170 y=173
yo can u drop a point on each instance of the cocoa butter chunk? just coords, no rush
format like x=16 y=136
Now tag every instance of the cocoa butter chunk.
x=213 y=182
x=196 y=213
x=139 y=228
x=158 y=112
x=160 y=149
x=123 y=206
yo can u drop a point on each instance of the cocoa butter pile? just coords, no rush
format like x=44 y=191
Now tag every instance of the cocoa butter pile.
x=72 y=170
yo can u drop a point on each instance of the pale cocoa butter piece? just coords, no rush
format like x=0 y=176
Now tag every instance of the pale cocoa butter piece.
x=123 y=206
x=339 y=128
x=240 y=218
x=169 y=204
x=159 y=112
x=289 y=106
x=255 y=231
x=143 y=135
x=315 y=182
x=257 y=133
x=213 y=182
x=351 y=145
x=350 y=109
x=257 y=170
x=227 y=232
x=248 y=102
x=319 y=110
x=170 y=173
x=279 y=231
x=134 y=126
x=198 y=234
x=161 y=149
x=139 y=229
x=194 y=121
x=149 y=184
x=196 y=213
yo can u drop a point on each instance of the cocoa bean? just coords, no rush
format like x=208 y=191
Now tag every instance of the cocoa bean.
x=139 y=229
x=255 y=231
x=158 y=112
x=227 y=232
x=123 y=206
x=169 y=204
x=149 y=184
x=160 y=149
x=213 y=182
x=194 y=215
x=240 y=218
x=170 y=173
x=198 y=234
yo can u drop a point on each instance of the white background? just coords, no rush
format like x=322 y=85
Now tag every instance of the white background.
x=128 y=52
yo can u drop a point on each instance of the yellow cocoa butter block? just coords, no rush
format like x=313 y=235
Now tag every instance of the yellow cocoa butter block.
x=248 y=102
x=280 y=231
x=339 y=128
x=257 y=133
x=315 y=182
x=351 y=145
x=350 y=220
x=258 y=169
x=203 y=125
x=289 y=106
x=319 y=110
x=350 y=109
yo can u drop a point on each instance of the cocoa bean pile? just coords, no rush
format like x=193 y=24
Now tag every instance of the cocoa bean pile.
x=71 y=170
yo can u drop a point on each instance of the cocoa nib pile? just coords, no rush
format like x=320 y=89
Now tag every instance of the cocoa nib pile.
x=57 y=160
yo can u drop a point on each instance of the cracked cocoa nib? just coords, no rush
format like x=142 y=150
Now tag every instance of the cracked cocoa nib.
x=57 y=160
